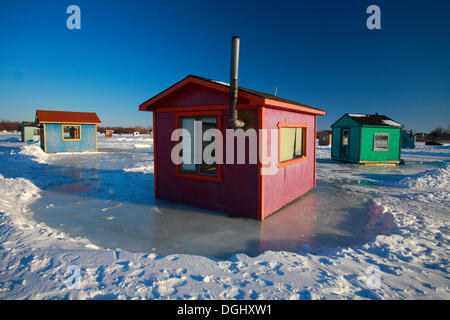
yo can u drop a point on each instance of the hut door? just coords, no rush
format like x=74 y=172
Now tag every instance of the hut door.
x=344 y=143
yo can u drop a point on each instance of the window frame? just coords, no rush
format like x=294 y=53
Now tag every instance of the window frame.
x=348 y=136
x=304 y=126
x=199 y=176
x=71 y=125
x=374 y=139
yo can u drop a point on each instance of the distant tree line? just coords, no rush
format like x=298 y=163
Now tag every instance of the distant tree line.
x=15 y=125
x=440 y=132
x=10 y=125
x=123 y=130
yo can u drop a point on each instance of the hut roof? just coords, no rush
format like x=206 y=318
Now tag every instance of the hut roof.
x=258 y=93
x=372 y=120
x=148 y=105
x=45 y=116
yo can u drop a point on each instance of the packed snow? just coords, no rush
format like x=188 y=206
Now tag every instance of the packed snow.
x=405 y=226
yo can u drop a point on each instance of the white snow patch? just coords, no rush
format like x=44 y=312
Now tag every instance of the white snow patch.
x=141 y=167
x=358 y=115
x=429 y=180
x=35 y=151
x=411 y=250
x=391 y=123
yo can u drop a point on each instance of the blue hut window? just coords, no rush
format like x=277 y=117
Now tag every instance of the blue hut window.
x=381 y=142
x=71 y=132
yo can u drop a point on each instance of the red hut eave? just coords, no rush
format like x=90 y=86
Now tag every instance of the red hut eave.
x=255 y=98
x=292 y=107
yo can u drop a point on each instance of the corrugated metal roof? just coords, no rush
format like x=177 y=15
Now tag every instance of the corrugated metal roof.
x=45 y=116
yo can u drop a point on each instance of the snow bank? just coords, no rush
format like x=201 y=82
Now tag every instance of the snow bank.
x=429 y=180
x=431 y=186
x=16 y=197
x=146 y=167
x=142 y=146
x=35 y=151
x=381 y=220
x=37 y=154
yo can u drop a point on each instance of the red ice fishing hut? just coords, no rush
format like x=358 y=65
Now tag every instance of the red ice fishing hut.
x=242 y=189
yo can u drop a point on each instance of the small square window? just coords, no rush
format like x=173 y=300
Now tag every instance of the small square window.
x=71 y=132
x=381 y=142
x=292 y=143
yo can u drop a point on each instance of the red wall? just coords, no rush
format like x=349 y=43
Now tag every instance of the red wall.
x=193 y=94
x=236 y=194
x=296 y=179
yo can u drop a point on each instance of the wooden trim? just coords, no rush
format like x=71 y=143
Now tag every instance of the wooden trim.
x=292 y=107
x=261 y=178
x=189 y=79
x=281 y=125
x=62 y=122
x=67 y=125
x=315 y=147
x=199 y=177
x=155 y=162
x=255 y=99
x=291 y=125
x=96 y=133
x=166 y=92
x=381 y=163
x=45 y=140
x=218 y=114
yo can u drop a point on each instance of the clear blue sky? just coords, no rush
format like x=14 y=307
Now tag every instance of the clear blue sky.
x=316 y=52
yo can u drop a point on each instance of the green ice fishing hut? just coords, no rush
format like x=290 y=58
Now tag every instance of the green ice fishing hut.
x=366 y=139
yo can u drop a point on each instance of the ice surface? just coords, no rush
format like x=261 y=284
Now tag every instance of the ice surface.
x=395 y=218
x=121 y=213
x=108 y=198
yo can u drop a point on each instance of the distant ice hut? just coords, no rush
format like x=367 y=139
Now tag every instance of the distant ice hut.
x=366 y=139
x=109 y=133
x=408 y=140
x=30 y=132
x=325 y=137
x=63 y=131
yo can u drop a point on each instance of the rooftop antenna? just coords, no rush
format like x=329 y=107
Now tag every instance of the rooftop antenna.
x=276 y=90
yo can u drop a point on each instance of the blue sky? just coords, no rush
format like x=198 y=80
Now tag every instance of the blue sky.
x=316 y=52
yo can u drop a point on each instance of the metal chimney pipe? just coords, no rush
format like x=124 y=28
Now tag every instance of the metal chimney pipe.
x=234 y=69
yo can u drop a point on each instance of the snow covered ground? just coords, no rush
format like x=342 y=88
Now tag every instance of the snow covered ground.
x=406 y=225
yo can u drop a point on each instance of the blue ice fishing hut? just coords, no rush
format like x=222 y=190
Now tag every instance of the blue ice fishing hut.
x=63 y=131
x=408 y=140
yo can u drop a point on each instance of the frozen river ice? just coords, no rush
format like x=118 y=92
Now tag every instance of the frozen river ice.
x=50 y=202
x=91 y=196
